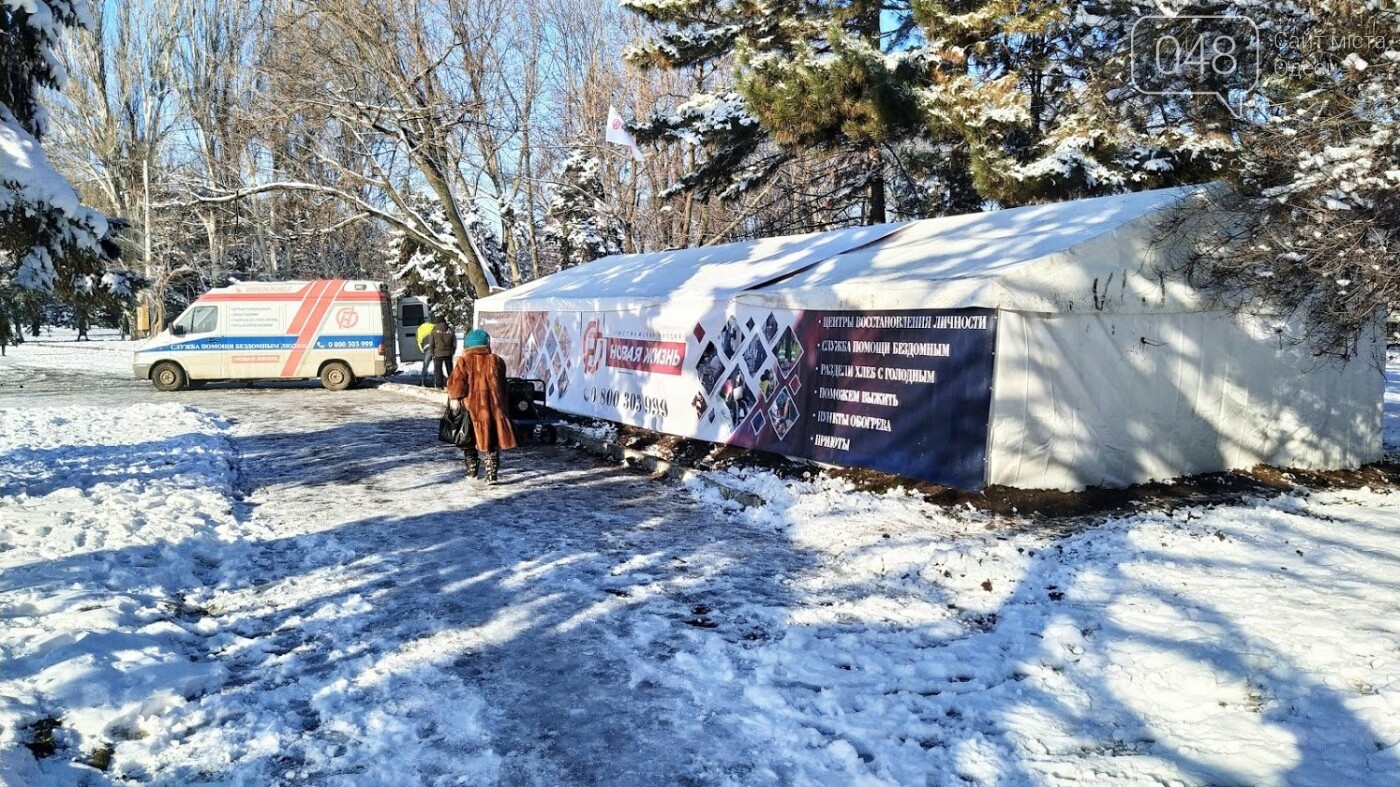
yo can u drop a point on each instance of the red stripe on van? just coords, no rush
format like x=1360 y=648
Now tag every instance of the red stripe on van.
x=307 y=304
x=307 y=336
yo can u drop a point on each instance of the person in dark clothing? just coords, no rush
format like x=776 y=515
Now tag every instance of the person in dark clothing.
x=442 y=345
x=478 y=385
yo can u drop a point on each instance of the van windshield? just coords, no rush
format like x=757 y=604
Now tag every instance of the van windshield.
x=199 y=319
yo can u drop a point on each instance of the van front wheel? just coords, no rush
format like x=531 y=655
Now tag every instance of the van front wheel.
x=168 y=376
x=336 y=376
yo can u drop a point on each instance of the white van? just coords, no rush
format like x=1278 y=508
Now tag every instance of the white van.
x=335 y=329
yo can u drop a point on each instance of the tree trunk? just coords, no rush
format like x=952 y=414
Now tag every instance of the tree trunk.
x=528 y=173
x=876 y=214
x=466 y=249
x=510 y=242
x=629 y=243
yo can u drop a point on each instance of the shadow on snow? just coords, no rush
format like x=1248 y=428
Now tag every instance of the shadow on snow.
x=613 y=629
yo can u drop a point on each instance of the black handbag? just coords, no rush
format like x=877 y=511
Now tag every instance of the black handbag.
x=465 y=437
x=456 y=428
x=450 y=425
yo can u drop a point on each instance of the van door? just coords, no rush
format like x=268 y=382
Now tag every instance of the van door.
x=413 y=312
x=200 y=343
x=388 y=332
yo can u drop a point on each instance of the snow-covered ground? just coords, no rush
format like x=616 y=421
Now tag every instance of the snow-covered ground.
x=58 y=348
x=106 y=354
x=289 y=586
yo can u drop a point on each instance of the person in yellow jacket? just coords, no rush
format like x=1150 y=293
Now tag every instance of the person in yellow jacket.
x=423 y=331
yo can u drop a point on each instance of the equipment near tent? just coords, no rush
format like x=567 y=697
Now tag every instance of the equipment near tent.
x=1051 y=346
x=529 y=414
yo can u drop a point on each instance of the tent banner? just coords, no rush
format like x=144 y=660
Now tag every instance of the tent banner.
x=906 y=392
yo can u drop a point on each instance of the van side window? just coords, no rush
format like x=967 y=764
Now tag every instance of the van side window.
x=412 y=315
x=204 y=319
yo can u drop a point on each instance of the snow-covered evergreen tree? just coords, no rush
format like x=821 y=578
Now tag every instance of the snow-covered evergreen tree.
x=1312 y=225
x=825 y=78
x=735 y=151
x=578 y=215
x=1023 y=100
x=1042 y=93
x=46 y=236
x=437 y=276
x=93 y=298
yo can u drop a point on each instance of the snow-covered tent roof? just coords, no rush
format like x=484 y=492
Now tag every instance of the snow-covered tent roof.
x=706 y=274
x=1100 y=254
x=1103 y=254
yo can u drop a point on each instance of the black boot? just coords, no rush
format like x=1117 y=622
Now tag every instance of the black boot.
x=493 y=467
x=473 y=461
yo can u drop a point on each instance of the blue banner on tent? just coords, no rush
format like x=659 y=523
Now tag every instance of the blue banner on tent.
x=906 y=392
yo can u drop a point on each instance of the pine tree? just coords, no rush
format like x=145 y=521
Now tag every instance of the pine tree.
x=436 y=275
x=578 y=220
x=46 y=237
x=737 y=153
x=111 y=293
x=1042 y=94
x=1311 y=226
x=958 y=103
x=811 y=78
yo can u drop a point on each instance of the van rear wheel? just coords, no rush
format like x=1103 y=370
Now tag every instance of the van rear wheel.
x=168 y=376
x=336 y=376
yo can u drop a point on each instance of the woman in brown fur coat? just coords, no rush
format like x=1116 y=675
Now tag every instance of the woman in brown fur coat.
x=478 y=382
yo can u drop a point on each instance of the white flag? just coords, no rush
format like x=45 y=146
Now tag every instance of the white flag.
x=618 y=134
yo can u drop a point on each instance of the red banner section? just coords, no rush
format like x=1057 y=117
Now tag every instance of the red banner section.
x=643 y=355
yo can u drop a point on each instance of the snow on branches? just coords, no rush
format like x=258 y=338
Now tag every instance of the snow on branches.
x=578 y=215
x=425 y=269
x=1316 y=210
x=45 y=234
x=41 y=222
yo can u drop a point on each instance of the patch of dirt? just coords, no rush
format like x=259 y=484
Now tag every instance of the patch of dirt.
x=1037 y=505
x=102 y=758
x=702 y=455
x=1199 y=490
x=42 y=743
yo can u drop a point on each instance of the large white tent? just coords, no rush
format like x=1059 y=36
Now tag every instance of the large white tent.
x=1050 y=346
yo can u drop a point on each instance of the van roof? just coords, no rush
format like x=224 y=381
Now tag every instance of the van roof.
x=294 y=290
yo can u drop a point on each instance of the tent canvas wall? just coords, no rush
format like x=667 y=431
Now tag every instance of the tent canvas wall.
x=1041 y=347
